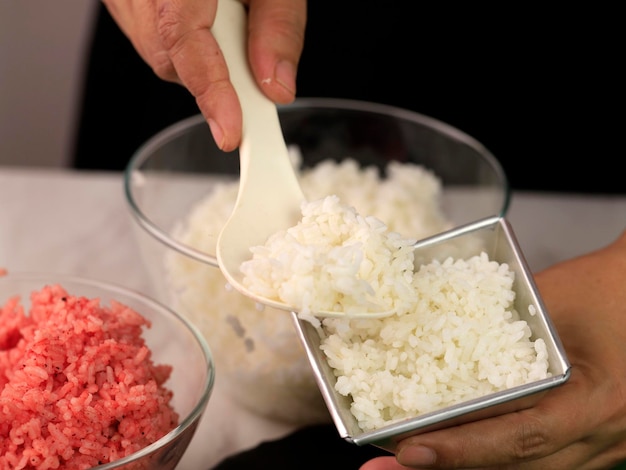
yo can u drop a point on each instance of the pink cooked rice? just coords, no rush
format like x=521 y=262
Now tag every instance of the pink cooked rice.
x=78 y=387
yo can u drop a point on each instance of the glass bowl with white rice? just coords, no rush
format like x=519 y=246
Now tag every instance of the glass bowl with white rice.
x=418 y=175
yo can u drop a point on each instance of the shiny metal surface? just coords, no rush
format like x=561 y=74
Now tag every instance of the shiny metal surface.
x=495 y=236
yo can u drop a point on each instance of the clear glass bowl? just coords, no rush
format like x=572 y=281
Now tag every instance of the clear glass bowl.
x=258 y=354
x=172 y=339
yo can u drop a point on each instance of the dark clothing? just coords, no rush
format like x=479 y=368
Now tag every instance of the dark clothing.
x=313 y=447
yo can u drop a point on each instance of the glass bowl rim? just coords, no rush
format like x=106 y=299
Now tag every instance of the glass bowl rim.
x=113 y=288
x=180 y=127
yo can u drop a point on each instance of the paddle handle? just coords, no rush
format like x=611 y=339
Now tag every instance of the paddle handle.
x=262 y=148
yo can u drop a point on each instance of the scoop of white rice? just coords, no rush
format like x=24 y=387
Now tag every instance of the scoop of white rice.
x=454 y=334
x=258 y=350
x=333 y=260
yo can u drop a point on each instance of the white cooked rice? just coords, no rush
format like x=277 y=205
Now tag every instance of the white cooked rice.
x=461 y=339
x=333 y=260
x=259 y=350
x=455 y=334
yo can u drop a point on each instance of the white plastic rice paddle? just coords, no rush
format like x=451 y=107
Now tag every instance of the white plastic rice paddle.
x=269 y=196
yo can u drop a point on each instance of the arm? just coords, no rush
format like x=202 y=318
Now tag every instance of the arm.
x=580 y=425
x=174 y=38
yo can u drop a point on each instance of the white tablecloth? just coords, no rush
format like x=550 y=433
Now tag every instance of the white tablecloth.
x=78 y=223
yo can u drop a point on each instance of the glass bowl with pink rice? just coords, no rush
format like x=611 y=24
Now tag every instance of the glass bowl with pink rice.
x=94 y=375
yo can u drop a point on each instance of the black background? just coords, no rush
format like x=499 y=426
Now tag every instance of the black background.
x=541 y=90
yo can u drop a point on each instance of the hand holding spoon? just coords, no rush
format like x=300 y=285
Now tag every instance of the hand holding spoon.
x=269 y=197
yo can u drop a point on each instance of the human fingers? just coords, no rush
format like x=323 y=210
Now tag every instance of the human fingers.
x=185 y=29
x=173 y=37
x=568 y=444
x=580 y=425
x=510 y=439
x=276 y=38
x=138 y=21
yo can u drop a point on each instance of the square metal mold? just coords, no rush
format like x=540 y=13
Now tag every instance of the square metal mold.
x=495 y=237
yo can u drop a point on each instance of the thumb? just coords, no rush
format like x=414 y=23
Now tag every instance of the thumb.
x=276 y=39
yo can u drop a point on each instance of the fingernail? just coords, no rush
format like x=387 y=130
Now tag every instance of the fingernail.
x=218 y=134
x=286 y=75
x=417 y=456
